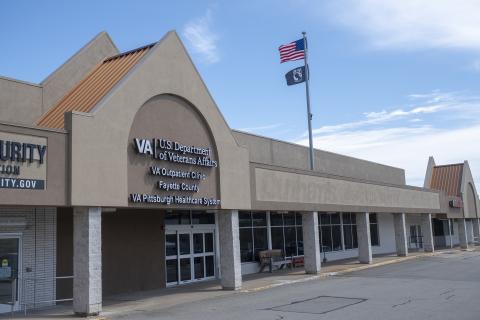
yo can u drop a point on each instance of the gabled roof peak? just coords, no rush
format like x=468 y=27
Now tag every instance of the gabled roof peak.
x=448 y=178
x=449 y=165
x=88 y=92
x=123 y=54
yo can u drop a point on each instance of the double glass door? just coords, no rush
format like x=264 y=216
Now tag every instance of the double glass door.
x=190 y=255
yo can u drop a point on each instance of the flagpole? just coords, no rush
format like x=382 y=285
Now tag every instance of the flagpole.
x=309 y=114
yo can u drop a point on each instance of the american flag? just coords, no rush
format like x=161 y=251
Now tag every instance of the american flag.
x=292 y=51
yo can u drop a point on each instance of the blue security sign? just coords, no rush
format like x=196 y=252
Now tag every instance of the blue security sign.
x=22 y=162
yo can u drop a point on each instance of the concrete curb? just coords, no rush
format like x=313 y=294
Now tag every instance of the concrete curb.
x=337 y=273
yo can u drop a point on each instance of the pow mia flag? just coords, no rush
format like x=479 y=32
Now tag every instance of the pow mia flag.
x=295 y=76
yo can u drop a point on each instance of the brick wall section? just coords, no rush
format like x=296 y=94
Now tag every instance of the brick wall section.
x=38 y=252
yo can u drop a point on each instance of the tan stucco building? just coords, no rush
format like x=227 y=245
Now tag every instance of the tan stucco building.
x=121 y=173
x=459 y=225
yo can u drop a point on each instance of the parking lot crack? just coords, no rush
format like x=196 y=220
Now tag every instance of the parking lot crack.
x=402 y=304
x=446 y=292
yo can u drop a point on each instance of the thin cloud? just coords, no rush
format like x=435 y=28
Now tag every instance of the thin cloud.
x=476 y=65
x=411 y=24
x=407 y=147
x=444 y=125
x=261 y=128
x=460 y=106
x=202 y=39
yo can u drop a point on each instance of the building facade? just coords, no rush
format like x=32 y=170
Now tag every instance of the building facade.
x=460 y=202
x=119 y=173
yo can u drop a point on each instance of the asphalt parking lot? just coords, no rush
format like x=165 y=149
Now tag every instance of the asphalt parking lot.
x=445 y=286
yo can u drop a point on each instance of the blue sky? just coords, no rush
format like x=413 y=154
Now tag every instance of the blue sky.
x=391 y=81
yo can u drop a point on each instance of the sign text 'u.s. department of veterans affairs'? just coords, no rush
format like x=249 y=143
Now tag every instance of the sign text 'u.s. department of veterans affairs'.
x=184 y=183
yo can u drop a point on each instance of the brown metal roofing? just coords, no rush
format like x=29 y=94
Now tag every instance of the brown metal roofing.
x=88 y=92
x=447 y=178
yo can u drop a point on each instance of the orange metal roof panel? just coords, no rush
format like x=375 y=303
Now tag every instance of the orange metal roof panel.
x=88 y=92
x=448 y=178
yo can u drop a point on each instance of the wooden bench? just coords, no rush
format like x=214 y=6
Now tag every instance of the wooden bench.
x=273 y=258
x=298 y=261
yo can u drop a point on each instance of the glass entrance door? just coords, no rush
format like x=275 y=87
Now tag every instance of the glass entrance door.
x=9 y=272
x=190 y=255
x=416 y=238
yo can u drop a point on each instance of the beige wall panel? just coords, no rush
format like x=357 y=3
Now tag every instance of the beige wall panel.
x=471 y=208
x=280 y=153
x=20 y=102
x=99 y=160
x=56 y=85
x=469 y=193
x=134 y=261
x=452 y=213
x=300 y=189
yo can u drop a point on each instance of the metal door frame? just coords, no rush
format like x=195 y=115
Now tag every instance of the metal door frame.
x=16 y=306
x=191 y=229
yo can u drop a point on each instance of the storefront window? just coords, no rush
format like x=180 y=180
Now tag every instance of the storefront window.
x=277 y=238
x=276 y=219
x=246 y=244
x=253 y=234
x=349 y=230
x=374 y=236
x=330 y=232
x=286 y=233
x=299 y=240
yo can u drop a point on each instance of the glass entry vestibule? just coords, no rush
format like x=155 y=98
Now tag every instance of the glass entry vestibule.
x=189 y=247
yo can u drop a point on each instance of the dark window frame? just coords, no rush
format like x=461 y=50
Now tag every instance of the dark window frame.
x=325 y=220
x=297 y=226
x=253 y=226
x=351 y=226
x=374 y=229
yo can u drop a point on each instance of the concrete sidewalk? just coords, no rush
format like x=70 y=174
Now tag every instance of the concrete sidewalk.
x=165 y=298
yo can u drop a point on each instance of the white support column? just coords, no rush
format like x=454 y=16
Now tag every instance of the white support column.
x=269 y=230
x=400 y=234
x=311 y=242
x=231 y=267
x=87 y=261
x=363 y=237
x=476 y=230
x=427 y=230
x=450 y=222
x=462 y=233
x=471 y=232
